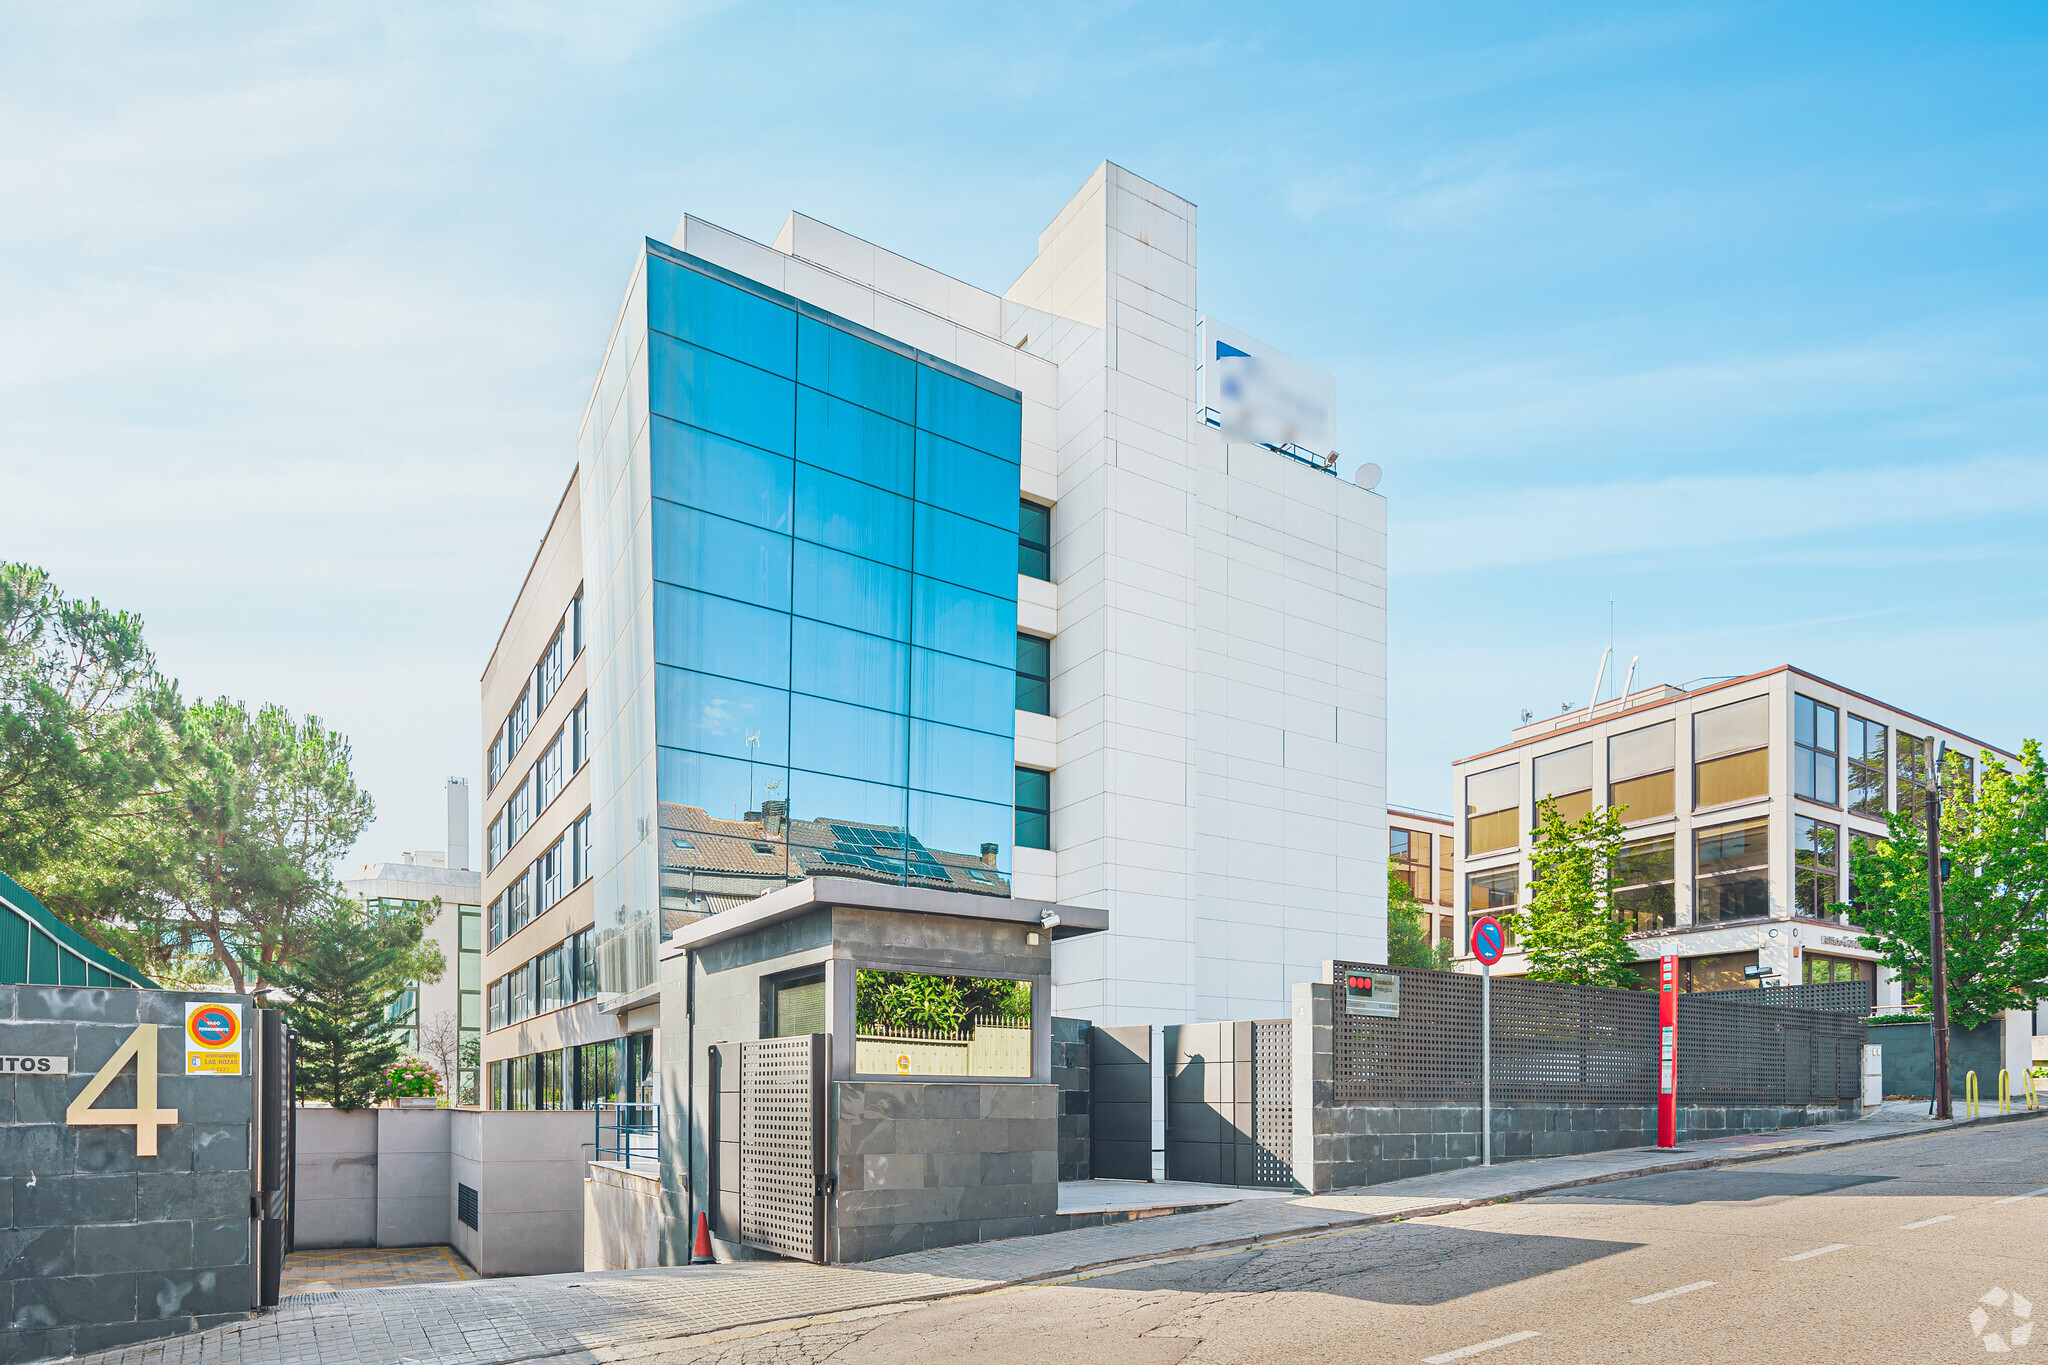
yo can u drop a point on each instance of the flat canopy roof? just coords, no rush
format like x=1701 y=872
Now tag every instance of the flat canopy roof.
x=815 y=893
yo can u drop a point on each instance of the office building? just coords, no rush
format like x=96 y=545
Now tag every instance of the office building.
x=1050 y=594
x=1422 y=853
x=440 y=1020
x=1742 y=798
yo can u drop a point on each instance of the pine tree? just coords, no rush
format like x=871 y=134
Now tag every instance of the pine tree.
x=1569 y=928
x=340 y=987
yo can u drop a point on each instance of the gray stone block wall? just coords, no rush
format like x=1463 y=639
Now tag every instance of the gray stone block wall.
x=1071 y=1056
x=104 y=1247
x=922 y=1164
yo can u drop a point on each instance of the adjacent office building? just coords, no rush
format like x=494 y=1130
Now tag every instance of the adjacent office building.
x=864 y=571
x=1422 y=853
x=441 y=1020
x=1742 y=799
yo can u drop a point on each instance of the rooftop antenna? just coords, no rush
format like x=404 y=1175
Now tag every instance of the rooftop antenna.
x=1599 y=677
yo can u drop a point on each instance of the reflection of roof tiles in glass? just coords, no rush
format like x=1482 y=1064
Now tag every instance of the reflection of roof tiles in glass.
x=733 y=860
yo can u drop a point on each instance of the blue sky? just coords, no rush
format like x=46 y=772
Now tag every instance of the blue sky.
x=1738 y=314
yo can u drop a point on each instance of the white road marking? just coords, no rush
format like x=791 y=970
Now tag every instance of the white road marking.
x=1817 y=1251
x=1464 y=1351
x=2028 y=1195
x=1674 y=1293
x=1929 y=1222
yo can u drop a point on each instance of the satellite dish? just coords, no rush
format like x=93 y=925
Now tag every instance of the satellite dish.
x=1368 y=476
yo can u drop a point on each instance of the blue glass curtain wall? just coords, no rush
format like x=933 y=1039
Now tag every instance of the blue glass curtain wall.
x=834 y=537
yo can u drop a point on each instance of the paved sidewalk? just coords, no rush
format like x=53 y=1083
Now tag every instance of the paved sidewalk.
x=595 y=1316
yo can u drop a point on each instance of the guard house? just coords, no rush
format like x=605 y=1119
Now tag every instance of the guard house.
x=868 y=1068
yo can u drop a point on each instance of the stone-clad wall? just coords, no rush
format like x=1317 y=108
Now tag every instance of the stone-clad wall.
x=104 y=1247
x=931 y=1164
x=1071 y=1054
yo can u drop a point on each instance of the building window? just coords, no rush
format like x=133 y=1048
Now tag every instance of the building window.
x=519 y=722
x=518 y=812
x=1647 y=897
x=496 y=762
x=1867 y=766
x=1821 y=968
x=1490 y=802
x=1408 y=853
x=596 y=1073
x=494 y=850
x=554 y=979
x=498 y=1012
x=547 y=674
x=1566 y=777
x=1641 y=768
x=1034 y=808
x=519 y=903
x=548 y=871
x=497 y=918
x=1816 y=858
x=583 y=948
x=519 y=1083
x=1913 y=775
x=1731 y=753
x=548 y=773
x=1034 y=674
x=1813 y=751
x=1720 y=972
x=579 y=850
x=579 y=736
x=576 y=624
x=1490 y=893
x=1034 y=540
x=1733 y=872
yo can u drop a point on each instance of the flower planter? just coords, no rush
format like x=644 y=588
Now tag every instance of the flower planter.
x=417 y=1101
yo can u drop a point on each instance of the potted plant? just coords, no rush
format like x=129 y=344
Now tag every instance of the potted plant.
x=412 y=1084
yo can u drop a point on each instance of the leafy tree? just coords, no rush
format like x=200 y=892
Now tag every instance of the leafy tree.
x=940 y=1003
x=86 y=724
x=339 y=985
x=1569 y=927
x=1408 y=929
x=1995 y=898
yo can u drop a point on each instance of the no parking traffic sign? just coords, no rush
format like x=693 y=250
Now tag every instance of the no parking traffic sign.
x=213 y=1039
x=1489 y=940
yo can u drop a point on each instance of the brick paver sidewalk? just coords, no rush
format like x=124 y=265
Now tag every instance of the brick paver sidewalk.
x=485 y=1322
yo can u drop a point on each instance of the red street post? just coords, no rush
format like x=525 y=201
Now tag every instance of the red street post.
x=1667 y=1052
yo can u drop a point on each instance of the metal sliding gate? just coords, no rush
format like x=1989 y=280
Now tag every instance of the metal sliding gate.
x=782 y=1145
x=276 y=1141
x=1230 y=1103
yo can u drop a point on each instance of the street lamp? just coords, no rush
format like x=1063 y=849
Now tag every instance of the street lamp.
x=1937 y=935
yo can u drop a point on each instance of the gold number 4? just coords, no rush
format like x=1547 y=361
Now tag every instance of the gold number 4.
x=141 y=1047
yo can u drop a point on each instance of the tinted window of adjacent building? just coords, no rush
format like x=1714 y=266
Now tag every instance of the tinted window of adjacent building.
x=834 y=610
x=1490 y=800
x=1647 y=896
x=1034 y=540
x=1034 y=808
x=1034 y=674
x=1640 y=771
x=1408 y=853
x=1566 y=778
x=1813 y=751
x=1492 y=893
x=1869 y=764
x=1816 y=860
x=1915 y=774
x=1730 y=753
x=1732 y=863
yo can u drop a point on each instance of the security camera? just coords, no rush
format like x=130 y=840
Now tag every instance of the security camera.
x=1048 y=918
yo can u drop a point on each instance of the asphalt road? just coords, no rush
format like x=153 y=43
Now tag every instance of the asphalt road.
x=1876 y=1253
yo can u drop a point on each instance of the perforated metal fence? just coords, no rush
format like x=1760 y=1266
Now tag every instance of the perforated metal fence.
x=1831 y=997
x=1555 y=1043
x=1273 y=1103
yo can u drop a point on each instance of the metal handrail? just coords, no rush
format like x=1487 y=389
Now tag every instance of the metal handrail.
x=635 y=1133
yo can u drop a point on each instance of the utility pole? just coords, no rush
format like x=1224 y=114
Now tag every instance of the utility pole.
x=1937 y=934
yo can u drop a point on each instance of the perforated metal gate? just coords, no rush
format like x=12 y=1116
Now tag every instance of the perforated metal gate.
x=782 y=1145
x=1273 y=1103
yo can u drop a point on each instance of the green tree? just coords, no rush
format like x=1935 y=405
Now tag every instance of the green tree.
x=249 y=832
x=1994 y=901
x=339 y=986
x=1569 y=927
x=1408 y=929
x=86 y=725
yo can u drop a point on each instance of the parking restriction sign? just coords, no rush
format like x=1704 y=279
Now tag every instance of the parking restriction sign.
x=213 y=1039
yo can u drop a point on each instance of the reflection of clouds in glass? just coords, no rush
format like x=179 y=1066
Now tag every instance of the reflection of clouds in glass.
x=716 y=716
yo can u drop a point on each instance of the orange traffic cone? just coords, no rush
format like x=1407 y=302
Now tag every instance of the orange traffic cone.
x=700 y=1254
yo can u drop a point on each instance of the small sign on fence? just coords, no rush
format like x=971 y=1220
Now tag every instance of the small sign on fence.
x=1377 y=993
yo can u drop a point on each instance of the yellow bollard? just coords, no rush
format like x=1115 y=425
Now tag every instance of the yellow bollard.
x=2033 y=1090
x=1970 y=1094
x=2004 y=1091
